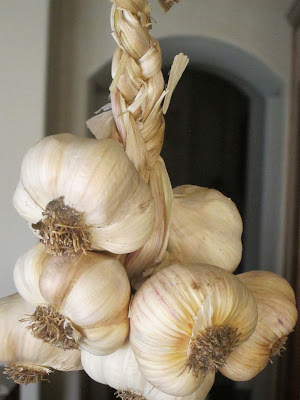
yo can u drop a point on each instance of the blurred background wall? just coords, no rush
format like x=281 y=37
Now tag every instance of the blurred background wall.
x=23 y=78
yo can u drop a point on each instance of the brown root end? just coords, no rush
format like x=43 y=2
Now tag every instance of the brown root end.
x=208 y=351
x=126 y=395
x=23 y=374
x=62 y=230
x=48 y=324
x=278 y=347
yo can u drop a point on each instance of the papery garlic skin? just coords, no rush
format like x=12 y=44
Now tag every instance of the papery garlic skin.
x=19 y=348
x=121 y=371
x=177 y=312
x=277 y=316
x=96 y=182
x=206 y=227
x=153 y=251
x=91 y=292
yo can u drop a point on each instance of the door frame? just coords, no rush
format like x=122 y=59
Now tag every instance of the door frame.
x=289 y=383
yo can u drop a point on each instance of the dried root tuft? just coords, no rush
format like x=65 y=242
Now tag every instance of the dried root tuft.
x=278 y=347
x=209 y=350
x=23 y=374
x=62 y=230
x=126 y=395
x=48 y=324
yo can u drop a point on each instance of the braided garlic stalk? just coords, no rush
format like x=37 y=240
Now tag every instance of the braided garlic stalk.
x=137 y=92
x=136 y=119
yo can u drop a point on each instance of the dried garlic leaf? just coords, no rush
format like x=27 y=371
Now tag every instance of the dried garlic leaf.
x=167 y=4
x=178 y=67
x=101 y=125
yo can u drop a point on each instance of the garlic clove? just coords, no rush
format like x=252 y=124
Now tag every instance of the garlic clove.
x=27 y=274
x=277 y=316
x=105 y=340
x=126 y=234
x=185 y=321
x=206 y=227
x=106 y=160
x=28 y=359
x=103 y=289
x=26 y=206
x=44 y=177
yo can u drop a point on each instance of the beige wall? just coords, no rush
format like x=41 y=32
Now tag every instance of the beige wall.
x=23 y=51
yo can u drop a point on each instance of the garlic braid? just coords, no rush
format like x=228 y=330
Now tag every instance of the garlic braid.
x=137 y=91
x=138 y=84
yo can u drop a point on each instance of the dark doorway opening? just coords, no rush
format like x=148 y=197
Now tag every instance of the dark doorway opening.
x=207 y=134
x=206 y=145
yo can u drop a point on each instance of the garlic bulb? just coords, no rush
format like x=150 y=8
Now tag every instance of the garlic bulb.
x=184 y=323
x=277 y=316
x=28 y=359
x=81 y=194
x=120 y=371
x=82 y=301
x=206 y=227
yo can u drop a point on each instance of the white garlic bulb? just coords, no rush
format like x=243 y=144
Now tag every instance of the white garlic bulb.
x=121 y=371
x=277 y=317
x=80 y=194
x=184 y=323
x=81 y=301
x=206 y=227
x=28 y=359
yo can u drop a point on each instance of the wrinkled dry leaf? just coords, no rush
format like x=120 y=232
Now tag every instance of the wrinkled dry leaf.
x=178 y=67
x=167 y=4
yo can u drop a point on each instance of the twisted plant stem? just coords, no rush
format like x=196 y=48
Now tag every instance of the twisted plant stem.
x=138 y=84
x=137 y=92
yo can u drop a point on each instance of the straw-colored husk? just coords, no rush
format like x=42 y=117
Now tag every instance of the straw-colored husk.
x=167 y=4
x=137 y=93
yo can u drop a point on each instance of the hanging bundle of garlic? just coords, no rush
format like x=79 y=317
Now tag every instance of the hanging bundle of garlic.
x=190 y=317
x=81 y=194
x=277 y=316
x=206 y=227
x=121 y=371
x=81 y=301
x=184 y=323
x=28 y=359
